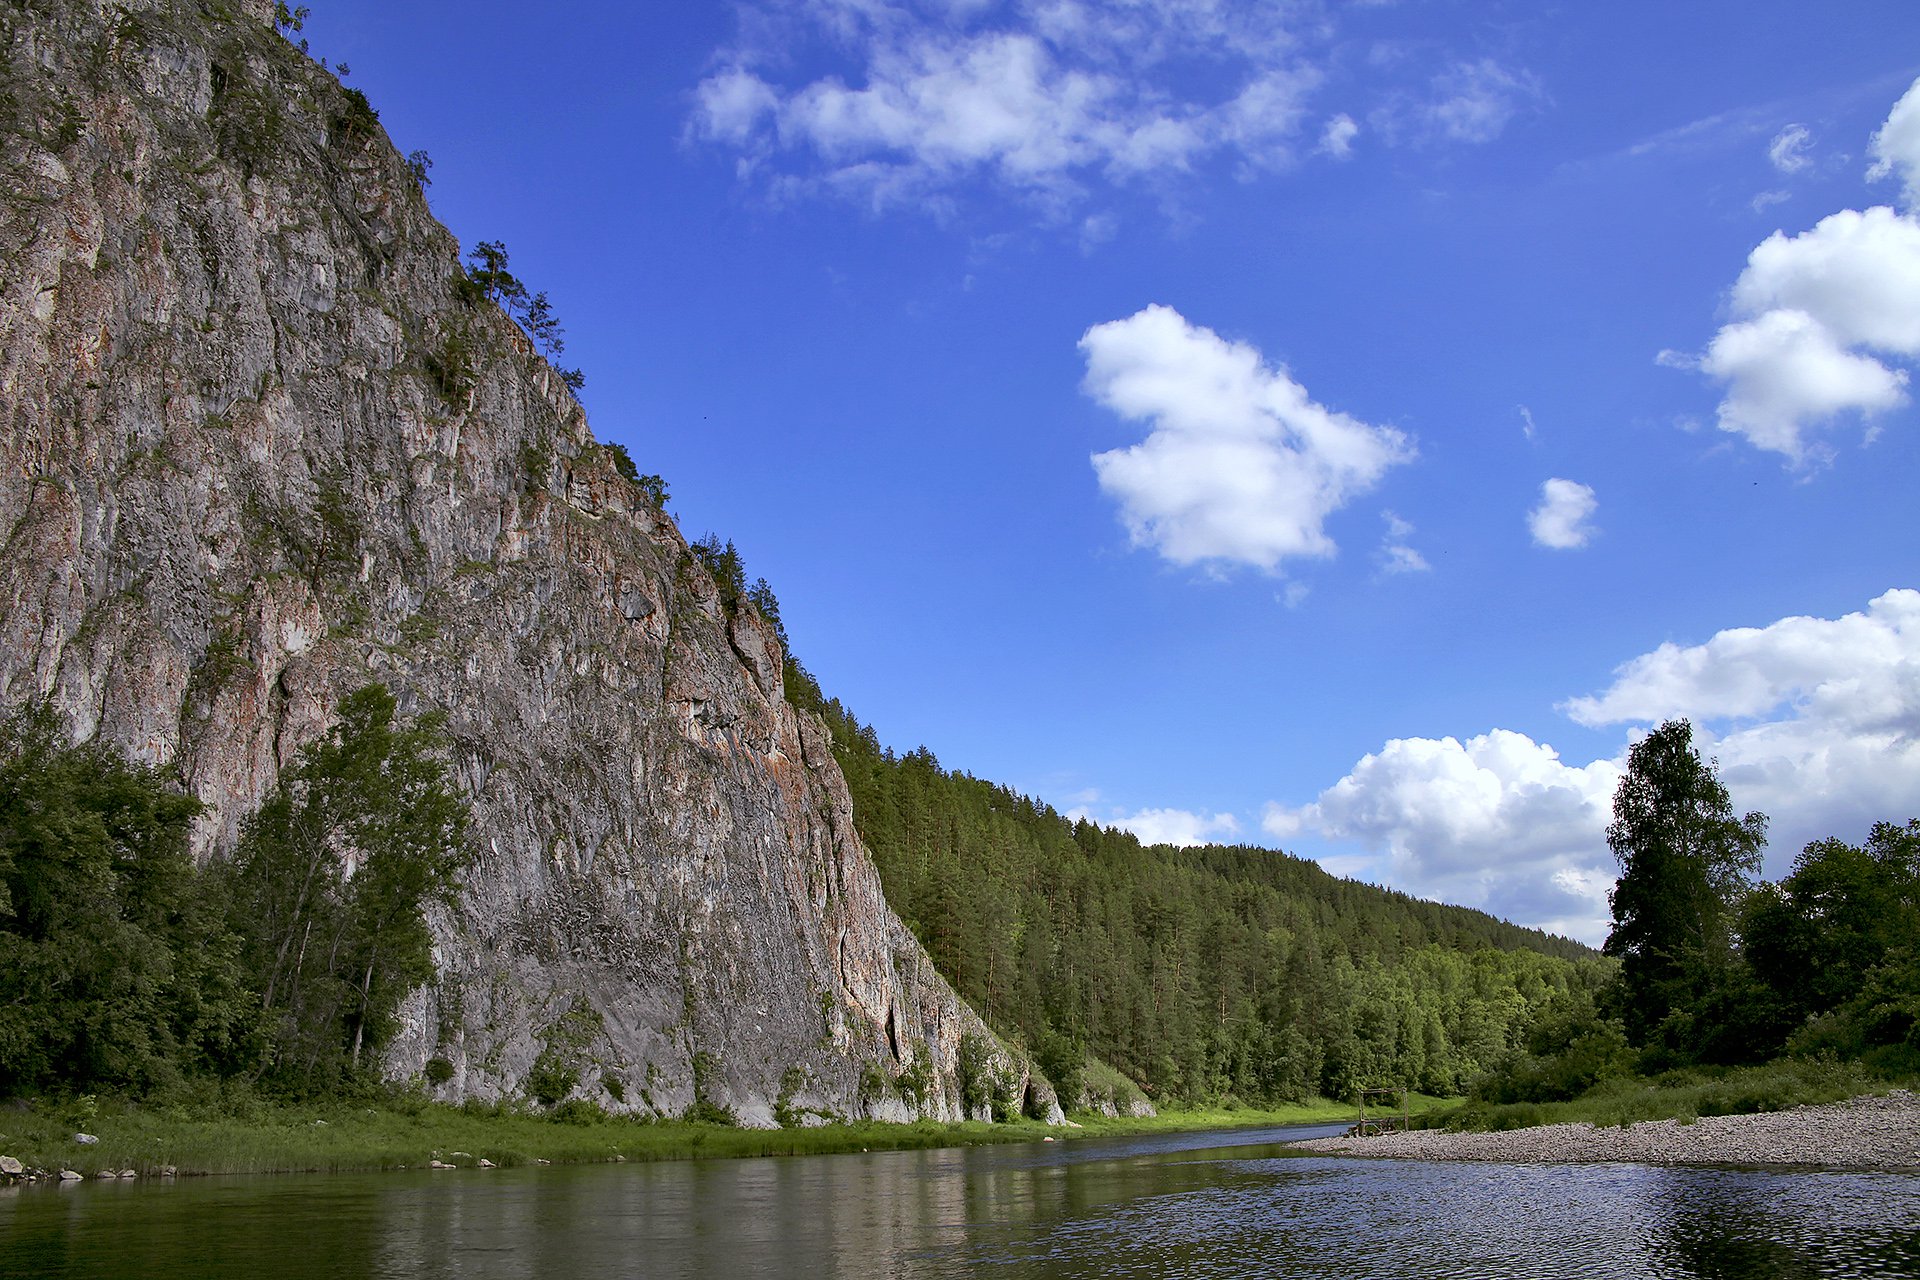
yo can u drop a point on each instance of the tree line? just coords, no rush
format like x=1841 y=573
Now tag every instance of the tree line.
x=125 y=967
x=1202 y=974
x=1720 y=969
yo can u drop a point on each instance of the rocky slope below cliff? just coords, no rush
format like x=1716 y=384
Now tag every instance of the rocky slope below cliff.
x=260 y=449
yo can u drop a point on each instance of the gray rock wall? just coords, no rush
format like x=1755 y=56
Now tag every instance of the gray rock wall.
x=257 y=451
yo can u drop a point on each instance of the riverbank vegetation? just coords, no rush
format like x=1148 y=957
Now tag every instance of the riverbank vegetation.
x=125 y=969
x=1683 y=1094
x=1731 y=994
x=211 y=1128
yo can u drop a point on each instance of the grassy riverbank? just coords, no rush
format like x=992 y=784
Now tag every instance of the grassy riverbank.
x=244 y=1134
x=1682 y=1095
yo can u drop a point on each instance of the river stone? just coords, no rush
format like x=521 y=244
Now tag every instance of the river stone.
x=85 y=1139
x=11 y=1167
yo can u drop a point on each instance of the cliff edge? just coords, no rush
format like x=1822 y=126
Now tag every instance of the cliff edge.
x=262 y=446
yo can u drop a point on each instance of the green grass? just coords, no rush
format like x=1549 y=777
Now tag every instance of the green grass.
x=1683 y=1095
x=246 y=1135
x=1176 y=1119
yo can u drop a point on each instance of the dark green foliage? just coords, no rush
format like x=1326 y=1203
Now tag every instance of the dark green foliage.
x=451 y=368
x=703 y=1109
x=722 y=562
x=333 y=875
x=914 y=1084
x=419 y=164
x=761 y=596
x=785 y=1114
x=488 y=279
x=564 y=1054
x=984 y=1092
x=542 y=325
x=580 y=1111
x=289 y=18
x=357 y=122
x=1062 y=1059
x=116 y=968
x=1197 y=972
x=438 y=1071
x=1685 y=863
x=655 y=489
x=336 y=543
x=1569 y=1048
x=1833 y=943
x=248 y=121
x=623 y=465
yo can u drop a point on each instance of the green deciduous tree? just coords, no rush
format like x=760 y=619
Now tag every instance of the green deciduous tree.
x=335 y=873
x=1685 y=861
x=1832 y=942
x=115 y=967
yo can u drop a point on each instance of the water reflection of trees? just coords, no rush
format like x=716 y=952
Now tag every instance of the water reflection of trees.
x=1735 y=1226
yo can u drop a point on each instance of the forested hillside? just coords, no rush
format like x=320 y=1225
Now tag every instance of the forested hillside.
x=1199 y=973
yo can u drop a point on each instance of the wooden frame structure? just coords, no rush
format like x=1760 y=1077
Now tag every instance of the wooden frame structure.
x=1366 y=1128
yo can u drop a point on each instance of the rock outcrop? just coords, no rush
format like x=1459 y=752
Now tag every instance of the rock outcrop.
x=261 y=448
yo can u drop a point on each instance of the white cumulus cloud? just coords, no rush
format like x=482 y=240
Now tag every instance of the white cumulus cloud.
x=1857 y=271
x=1785 y=373
x=1168 y=826
x=1561 y=519
x=1816 y=721
x=1895 y=147
x=1860 y=672
x=1240 y=465
x=1496 y=822
x=1820 y=319
x=1813 y=721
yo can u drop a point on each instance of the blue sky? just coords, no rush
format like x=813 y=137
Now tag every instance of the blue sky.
x=1340 y=427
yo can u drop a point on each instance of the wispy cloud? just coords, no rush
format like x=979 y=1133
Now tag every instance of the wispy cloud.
x=1396 y=554
x=1788 y=152
x=890 y=100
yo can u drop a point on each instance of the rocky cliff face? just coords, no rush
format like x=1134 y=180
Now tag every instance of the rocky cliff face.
x=259 y=450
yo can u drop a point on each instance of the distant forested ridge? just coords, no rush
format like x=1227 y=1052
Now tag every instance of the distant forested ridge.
x=1202 y=974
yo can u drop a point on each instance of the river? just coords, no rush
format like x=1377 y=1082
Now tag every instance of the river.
x=1186 y=1205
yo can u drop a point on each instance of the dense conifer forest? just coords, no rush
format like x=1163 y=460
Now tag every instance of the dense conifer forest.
x=1206 y=974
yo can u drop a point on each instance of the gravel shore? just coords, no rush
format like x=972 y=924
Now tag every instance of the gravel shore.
x=1861 y=1133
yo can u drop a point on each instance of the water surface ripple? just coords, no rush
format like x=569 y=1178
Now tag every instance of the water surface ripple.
x=1187 y=1205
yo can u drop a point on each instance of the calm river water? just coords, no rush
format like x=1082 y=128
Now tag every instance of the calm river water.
x=1199 y=1205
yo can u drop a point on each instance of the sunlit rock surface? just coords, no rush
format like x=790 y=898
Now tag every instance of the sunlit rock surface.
x=258 y=451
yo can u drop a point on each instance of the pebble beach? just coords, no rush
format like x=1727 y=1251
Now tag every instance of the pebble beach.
x=1881 y=1133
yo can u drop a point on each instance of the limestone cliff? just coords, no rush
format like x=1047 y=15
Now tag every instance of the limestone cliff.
x=260 y=449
